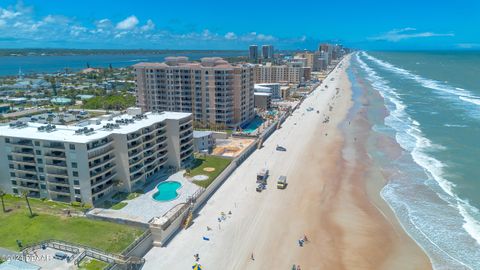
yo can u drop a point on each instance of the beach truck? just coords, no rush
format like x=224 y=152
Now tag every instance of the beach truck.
x=282 y=182
x=262 y=176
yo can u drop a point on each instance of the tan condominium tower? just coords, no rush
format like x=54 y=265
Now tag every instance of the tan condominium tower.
x=215 y=92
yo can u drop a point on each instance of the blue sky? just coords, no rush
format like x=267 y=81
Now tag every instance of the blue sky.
x=213 y=24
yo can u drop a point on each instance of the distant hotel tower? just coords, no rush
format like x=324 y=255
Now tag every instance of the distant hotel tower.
x=214 y=91
x=267 y=51
x=253 y=52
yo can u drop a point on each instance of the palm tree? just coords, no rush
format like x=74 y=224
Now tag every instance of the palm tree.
x=25 y=194
x=2 y=194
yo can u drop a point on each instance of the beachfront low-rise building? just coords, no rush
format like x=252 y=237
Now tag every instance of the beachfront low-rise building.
x=95 y=158
x=263 y=101
x=203 y=140
x=215 y=92
x=273 y=88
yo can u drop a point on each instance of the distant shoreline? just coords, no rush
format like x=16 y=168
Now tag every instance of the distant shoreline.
x=71 y=52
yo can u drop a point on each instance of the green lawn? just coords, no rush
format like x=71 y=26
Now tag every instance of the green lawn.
x=108 y=236
x=209 y=161
x=92 y=264
x=119 y=206
x=43 y=206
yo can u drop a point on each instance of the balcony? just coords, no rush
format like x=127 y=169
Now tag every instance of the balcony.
x=136 y=168
x=59 y=173
x=55 y=145
x=136 y=177
x=148 y=153
x=58 y=181
x=29 y=186
x=25 y=160
x=58 y=164
x=26 y=169
x=56 y=155
x=133 y=136
x=23 y=143
x=59 y=189
x=99 y=144
x=24 y=152
x=100 y=152
x=103 y=187
x=134 y=161
x=107 y=168
x=27 y=178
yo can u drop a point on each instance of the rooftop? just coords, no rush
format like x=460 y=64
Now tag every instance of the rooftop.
x=182 y=61
x=96 y=127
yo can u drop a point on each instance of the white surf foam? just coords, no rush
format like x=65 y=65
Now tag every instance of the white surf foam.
x=445 y=88
x=410 y=138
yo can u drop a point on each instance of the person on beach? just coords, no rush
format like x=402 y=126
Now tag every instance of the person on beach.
x=305 y=239
x=251 y=257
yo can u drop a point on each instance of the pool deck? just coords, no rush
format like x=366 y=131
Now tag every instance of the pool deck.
x=144 y=207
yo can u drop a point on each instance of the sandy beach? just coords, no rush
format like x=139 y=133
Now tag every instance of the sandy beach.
x=332 y=197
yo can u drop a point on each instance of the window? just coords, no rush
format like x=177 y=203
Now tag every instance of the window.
x=14 y=182
x=12 y=174
x=77 y=191
x=40 y=169
x=10 y=157
x=76 y=182
x=15 y=191
x=78 y=199
x=72 y=146
x=74 y=165
x=39 y=161
x=42 y=186
x=75 y=173
x=38 y=152
x=37 y=143
x=42 y=178
x=11 y=166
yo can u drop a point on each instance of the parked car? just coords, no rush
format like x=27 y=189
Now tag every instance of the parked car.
x=282 y=182
x=260 y=187
x=262 y=176
x=60 y=256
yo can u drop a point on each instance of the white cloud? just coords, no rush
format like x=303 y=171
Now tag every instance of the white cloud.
x=407 y=33
x=149 y=26
x=230 y=36
x=103 y=23
x=2 y=23
x=128 y=24
x=8 y=14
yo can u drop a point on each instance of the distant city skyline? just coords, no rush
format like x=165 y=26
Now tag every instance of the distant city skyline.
x=147 y=24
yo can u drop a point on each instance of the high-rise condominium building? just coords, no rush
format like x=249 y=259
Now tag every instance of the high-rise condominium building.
x=94 y=158
x=267 y=51
x=253 y=52
x=214 y=91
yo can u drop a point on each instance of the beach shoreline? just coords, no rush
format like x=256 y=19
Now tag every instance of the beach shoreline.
x=333 y=197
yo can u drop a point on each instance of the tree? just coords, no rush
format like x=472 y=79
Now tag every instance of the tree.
x=25 y=194
x=2 y=194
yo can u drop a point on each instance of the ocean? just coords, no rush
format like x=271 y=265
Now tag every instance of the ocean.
x=432 y=102
x=10 y=65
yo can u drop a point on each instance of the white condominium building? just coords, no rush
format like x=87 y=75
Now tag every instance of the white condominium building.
x=93 y=159
x=214 y=91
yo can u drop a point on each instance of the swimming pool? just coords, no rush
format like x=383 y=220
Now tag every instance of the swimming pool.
x=167 y=191
x=253 y=125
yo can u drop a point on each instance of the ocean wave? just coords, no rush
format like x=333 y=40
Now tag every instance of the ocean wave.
x=445 y=88
x=475 y=101
x=410 y=137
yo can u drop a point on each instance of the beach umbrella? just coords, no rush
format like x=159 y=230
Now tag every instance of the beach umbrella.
x=197 y=267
